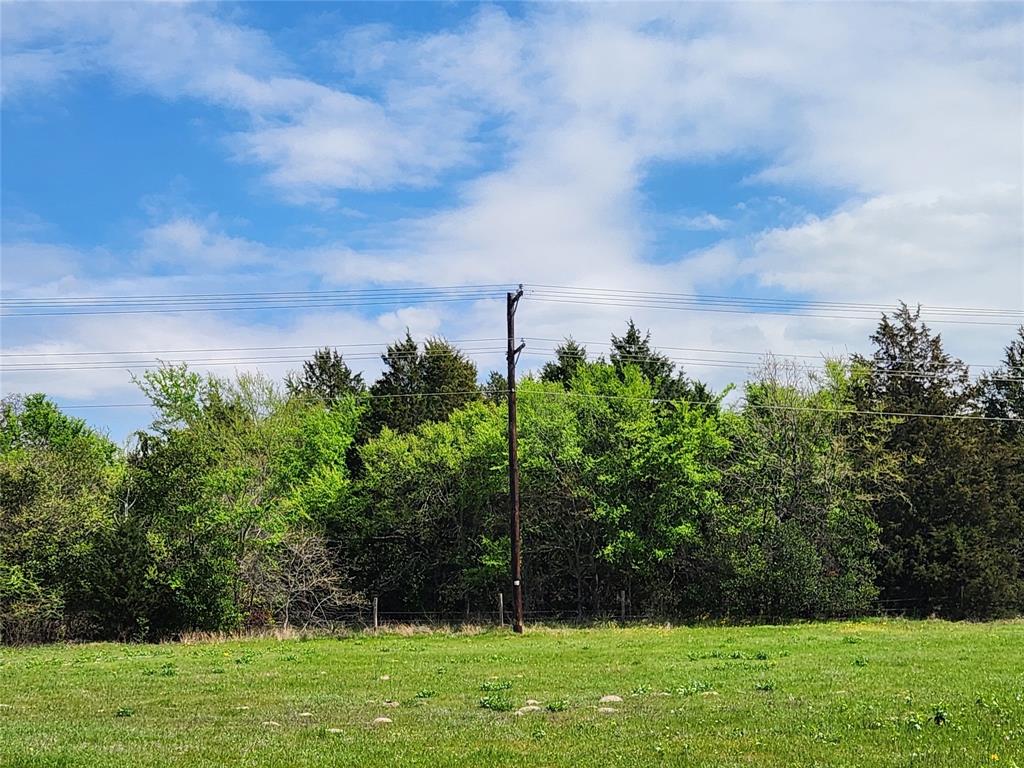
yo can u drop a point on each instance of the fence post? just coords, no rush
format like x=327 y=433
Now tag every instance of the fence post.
x=622 y=604
x=375 y=624
x=501 y=610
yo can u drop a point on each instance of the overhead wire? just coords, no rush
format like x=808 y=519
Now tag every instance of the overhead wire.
x=669 y=295
x=364 y=297
x=840 y=411
x=543 y=353
x=600 y=301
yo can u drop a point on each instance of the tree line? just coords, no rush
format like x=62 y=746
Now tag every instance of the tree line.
x=893 y=479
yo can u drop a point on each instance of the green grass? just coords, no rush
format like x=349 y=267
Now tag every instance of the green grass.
x=844 y=694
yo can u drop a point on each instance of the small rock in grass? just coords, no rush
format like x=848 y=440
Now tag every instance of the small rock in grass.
x=532 y=702
x=607 y=710
x=271 y=723
x=709 y=693
x=661 y=693
x=391 y=704
x=385 y=677
x=381 y=720
x=242 y=706
x=610 y=698
x=334 y=730
x=305 y=714
x=527 y=709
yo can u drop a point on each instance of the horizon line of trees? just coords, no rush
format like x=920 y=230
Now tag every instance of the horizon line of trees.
x=247 y=503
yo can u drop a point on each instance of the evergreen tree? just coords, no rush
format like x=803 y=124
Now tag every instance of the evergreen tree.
x=946 y=530
x=496 y=388
x=668 y=384
x=325 y=377
x=635 y=349
x=1003 y=388
x=417 y=387
x=569 y=356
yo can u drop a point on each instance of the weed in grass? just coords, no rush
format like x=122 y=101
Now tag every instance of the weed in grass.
x=425 y=694
x=497 y=703
x=765 y=685
x=695 y=687
x=556 y=706
x=860 y=661
x=124 y=712
x=913 y=723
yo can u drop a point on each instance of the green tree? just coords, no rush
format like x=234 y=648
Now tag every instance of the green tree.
x=654 y=479
x=569 y=356
x=496 y=388
x=420 y=386
x=428 y=503
x=950 y=538
x=59 y=484
x=325 y=377
x=223 y=490
x=798 y=535
x=635 y=349
x=1003 y=388
x=668 y=384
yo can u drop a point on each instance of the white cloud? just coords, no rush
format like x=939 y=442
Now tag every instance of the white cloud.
x=311 y=138
x=931 y=247
x=186 y=242
x=913 y=113
x=704 y=222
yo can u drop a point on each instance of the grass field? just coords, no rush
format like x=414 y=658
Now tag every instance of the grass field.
x=844 y=694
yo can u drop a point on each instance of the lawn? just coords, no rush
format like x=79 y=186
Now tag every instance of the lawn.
x=873 y=693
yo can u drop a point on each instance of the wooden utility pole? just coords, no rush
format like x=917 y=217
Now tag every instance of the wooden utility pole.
x=513 y=463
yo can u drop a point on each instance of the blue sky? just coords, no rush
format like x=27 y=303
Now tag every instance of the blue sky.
x=837 y=152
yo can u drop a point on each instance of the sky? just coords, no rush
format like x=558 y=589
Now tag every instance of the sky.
x=835 y=152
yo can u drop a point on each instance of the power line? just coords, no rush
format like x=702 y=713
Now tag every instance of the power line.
x=656 y=400
x=378 y=344
x=415 y=292
x=261 y=294
x=546 y=354
x=346 y=298
x=675 y=296
x=252 y=307
x=600 y=301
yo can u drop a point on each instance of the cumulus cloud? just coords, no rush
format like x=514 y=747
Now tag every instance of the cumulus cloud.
x=186 y=242
x=945 y=244
x=310 y=137
x=910 y=114
x=913 y=114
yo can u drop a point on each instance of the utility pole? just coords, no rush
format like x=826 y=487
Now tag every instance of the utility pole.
x=513 y=463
